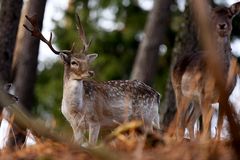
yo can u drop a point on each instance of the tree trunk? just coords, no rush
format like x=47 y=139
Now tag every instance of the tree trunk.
x=20 y=39
x=27 y=58
x=146 y=60
x=186 y=42
x=25 y=68
x=9 y=17
x=10 y=11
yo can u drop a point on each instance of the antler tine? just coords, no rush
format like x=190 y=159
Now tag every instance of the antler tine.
x=35 y=31
x=82 y=34
x=69 y=51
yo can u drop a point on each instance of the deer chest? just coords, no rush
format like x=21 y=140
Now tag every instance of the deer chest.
x=72 y=100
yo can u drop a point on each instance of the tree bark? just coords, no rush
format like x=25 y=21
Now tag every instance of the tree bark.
x=10 y=11
x=186 y=42
x=19 y=40
x=25 y=68
x=9 y=17
x=146 y=60
x=27 y=58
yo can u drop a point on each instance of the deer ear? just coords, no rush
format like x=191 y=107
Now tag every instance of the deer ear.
x=91 y=57
x=65 y=58
x=234 y=9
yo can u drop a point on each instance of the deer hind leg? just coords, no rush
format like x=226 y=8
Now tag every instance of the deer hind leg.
x=148 y=125
x=177 y=126
x=156 y=121
x=148 y=128
x=193 y=116
x=182 y=106
x=154 y=114
x=94 y=129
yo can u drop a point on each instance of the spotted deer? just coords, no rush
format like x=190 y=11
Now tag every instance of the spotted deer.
x=193 y=84
x=89 y=105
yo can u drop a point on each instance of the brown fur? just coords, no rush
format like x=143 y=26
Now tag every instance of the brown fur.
x=192 y=81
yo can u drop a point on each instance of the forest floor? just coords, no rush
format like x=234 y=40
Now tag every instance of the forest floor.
x=127 y=144
x=183 y=151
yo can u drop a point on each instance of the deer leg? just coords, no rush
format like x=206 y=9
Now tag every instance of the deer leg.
x=219 y=122
x=190 y=119
x=156 y=121
x=78 y=135
x=193 y=117
x=151 y=118
x=206 y=117
x=183 y=104
x=148 y=127
x=194 y=114
x=94 y=129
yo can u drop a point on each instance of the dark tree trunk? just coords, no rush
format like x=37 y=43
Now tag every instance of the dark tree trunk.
x=25 y=68
x=186 y=41
x=146 y=60
x=9 y=17
x=27 y=58
x=10 y=11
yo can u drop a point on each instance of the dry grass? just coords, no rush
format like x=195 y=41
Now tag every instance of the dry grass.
x=127 y=142
x=47 y=150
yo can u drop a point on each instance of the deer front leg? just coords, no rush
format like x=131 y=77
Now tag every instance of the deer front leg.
x=78 y=135
x=94 y=129
x=206 y=118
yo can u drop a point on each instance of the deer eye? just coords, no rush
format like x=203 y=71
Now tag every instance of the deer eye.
x=74 y=63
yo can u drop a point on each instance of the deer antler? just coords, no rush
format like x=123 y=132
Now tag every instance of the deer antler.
x=35 y=31
x=82 y=35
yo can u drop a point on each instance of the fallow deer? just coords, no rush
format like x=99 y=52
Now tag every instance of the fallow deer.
x=193 y=82
x=91 y=105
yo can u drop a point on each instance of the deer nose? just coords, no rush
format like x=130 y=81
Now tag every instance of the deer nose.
x=222 y=26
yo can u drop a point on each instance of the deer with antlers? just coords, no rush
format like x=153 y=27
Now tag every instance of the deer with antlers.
x=91 y=105
x=193 y=83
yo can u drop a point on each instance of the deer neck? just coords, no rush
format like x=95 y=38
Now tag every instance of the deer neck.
x=223 y=45
x=73 y=92
x=66 y=75
x=224 y=51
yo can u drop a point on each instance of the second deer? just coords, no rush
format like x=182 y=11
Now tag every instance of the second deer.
x=193 y=83
x=90 y=105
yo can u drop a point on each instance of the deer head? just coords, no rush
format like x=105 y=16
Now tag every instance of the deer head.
x=221 y=19
x=76 y=64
